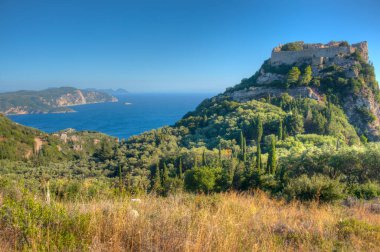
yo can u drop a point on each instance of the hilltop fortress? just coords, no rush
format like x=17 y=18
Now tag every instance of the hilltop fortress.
x=338 y=69
x=315 y=54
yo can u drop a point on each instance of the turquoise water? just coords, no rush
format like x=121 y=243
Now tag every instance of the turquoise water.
x=146 y=111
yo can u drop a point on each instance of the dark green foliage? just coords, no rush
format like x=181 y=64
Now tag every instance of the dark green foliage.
x=366 y=114
x=259 y=134
x=157 y=186
x=106 y=151
x=352 y=165
x=280 y=69
x=294 y=123
x=272 y=157
x=201 y=179
x=306 y=76
x=293 y=76
x=344 y=43
x=366 y=191
x=363 y=139
x=294 y=46
x=180 y=168
x=280 y=131
x=319 y=188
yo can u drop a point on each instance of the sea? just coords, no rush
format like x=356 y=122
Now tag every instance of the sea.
x=132 y=115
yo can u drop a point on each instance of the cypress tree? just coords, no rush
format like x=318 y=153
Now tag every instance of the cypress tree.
x=285 y=133
x=165 y=174
x=272 y=157
x=157 y=179
x=258 y=157
x=204 y=158
x=280 y=130
x=259 y=134
x=120 y=178
x=259 y=129
x=195 y=162
x=244 y=150
x=307 y=76
x=293 y=76
x=241 y=140
x=220 y=154
x=180 y=168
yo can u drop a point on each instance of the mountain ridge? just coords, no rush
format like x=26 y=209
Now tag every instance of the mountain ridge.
x=51 y=100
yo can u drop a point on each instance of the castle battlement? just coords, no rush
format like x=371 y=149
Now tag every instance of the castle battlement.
x=317 y=53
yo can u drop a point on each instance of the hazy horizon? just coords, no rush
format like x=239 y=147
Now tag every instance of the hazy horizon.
x=167 y=46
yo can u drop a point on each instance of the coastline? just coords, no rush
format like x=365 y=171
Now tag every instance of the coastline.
x=55 y=112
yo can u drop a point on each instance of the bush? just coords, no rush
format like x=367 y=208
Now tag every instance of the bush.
x=366 y=191
x=38 y=226
x=318 y=187
x=366 y=114
x=350 y=228
x=295 y=46
x=201 y=179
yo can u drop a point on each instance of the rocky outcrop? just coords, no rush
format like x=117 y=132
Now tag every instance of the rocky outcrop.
x=336 y=66
x=364 y=113
x=255 y=93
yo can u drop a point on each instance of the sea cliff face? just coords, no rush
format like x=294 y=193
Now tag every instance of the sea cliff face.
x=54 y=100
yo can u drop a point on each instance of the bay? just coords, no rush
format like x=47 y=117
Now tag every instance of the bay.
x=132 y=115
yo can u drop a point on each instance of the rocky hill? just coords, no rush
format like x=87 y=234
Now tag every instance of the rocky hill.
x=52 y=100
x=336 y=72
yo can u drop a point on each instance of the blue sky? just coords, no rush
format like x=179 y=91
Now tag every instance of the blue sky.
x=165 y=46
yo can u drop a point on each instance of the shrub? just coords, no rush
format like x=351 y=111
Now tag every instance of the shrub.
x=38 y=226
x=294 y=46
x=201 y=179
x=318 y=187
x=366 y=191
x=366 y=114
x=354 y=228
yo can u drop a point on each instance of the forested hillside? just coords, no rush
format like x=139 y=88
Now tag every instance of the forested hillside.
x=299 y=133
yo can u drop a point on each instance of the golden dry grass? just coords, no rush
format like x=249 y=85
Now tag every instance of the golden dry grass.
x=224 y=222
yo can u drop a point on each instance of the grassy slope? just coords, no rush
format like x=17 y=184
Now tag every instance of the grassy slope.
x=223 y=222
x=18 y=142
x=15 y=140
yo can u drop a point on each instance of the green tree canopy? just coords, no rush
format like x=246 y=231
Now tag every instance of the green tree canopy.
x=293 y=76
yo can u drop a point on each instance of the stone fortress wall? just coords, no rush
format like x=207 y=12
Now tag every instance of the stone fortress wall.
x=317 y=53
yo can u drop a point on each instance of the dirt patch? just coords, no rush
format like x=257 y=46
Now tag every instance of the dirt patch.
x=37 y=144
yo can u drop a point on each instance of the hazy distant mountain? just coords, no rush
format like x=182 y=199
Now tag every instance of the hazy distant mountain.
x=119 y=91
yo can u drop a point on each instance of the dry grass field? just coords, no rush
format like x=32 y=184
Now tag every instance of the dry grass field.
x=185 y=222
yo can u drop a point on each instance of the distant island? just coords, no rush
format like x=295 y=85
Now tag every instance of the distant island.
x=51 y=100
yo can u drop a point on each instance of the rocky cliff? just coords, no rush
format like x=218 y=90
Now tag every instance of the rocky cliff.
x=336 y=72
x=53 y=100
